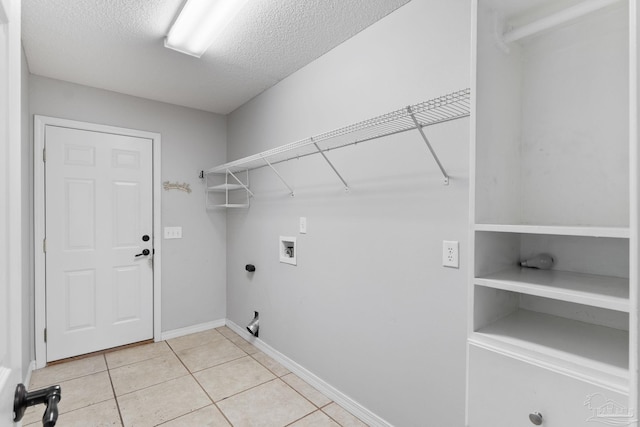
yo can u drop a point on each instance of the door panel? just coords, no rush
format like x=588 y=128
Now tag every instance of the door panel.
x=126 y=297
x=126 y=214
x=99 y=294
x=79 y=205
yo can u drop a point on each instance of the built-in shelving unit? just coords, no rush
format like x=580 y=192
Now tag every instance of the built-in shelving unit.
x=227 y=194
x=544 y=181
x=414 y=117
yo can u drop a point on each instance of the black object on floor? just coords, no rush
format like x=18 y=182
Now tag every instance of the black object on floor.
x=50 y=396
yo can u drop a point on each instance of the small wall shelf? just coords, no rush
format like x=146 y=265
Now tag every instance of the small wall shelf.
x=449 y=107
x=236 y=194
x=225 y=187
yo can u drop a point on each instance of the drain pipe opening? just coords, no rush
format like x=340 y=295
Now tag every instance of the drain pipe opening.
x=254 y=326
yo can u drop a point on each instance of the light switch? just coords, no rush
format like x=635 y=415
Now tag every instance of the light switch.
x=173 y=232
x=303 y=225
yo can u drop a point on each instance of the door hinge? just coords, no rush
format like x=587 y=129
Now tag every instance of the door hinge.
x=44 y=154
x=44 y=245
x=45 y=334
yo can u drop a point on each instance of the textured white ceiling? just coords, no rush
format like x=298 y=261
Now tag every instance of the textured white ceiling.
x=118 y=45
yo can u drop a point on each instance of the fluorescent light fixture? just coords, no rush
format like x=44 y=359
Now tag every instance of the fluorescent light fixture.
x=199 y=23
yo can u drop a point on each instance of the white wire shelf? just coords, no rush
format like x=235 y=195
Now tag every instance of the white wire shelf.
x=228 y=205
x=224 y=187
x=445 y=108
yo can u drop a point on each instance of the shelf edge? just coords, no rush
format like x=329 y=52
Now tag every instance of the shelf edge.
x=612 y=232
x=615 y=381
x=558 y=293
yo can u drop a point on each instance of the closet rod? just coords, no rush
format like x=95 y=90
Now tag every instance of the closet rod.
x=558 y=18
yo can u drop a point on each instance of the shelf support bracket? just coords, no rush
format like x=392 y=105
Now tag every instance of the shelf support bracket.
x=426 y=140
x=279 y=176
x=346 y=186
x=498 y=33
x=240 y=182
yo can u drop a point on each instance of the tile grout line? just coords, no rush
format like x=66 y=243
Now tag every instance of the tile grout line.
x=279 y=377
x=113 y=389
x=106 y=370
x=329 y=416
x=136 y=361
x=183 y=415
x=219 y=364
x=276 y=377
x=200 y=385
x=293 y=388
x=144 y=361
x=152 y=385
x=245 y=346
x=311 y=413
x=202 y=345
x=64 y=380
x=318 y=408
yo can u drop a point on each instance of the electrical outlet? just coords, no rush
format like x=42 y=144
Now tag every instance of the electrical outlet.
x=450 y=254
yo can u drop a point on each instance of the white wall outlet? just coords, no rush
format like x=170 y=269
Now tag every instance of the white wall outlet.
x=450 y=256
x=173 y=232
x=303 y=225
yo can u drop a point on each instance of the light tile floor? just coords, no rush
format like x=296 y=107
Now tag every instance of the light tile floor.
x=212 y=378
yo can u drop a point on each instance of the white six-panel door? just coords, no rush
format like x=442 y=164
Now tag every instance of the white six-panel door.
x=99 y=206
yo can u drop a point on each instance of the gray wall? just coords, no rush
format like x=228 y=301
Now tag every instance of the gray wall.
x=27 y=224
x=193 y=268
x=369 y=307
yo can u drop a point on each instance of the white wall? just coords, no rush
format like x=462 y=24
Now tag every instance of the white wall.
x=369 y=308
x=193 y=268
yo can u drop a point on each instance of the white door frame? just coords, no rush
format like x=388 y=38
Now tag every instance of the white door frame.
x=39 y=217
x=11 y=147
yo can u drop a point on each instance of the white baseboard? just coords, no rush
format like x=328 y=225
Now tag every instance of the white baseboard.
x=192 y=329
x=27 y=377
x=325 y=388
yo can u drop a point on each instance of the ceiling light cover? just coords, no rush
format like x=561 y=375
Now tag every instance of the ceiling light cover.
x=199 y=23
